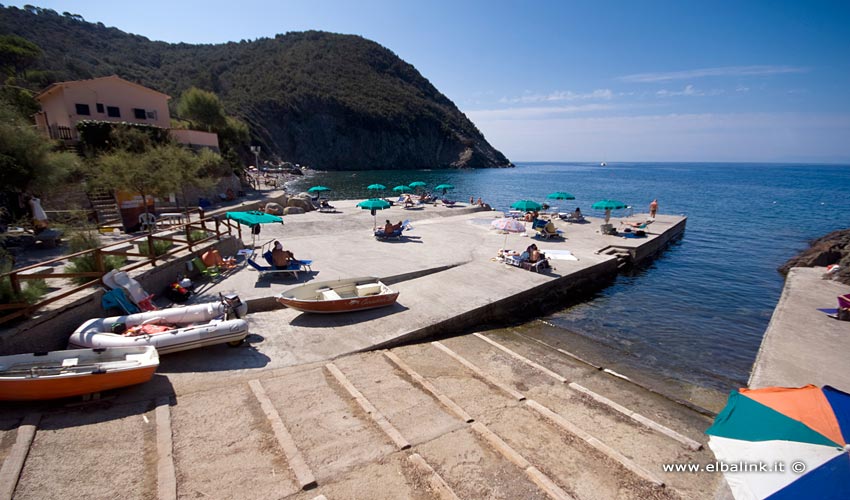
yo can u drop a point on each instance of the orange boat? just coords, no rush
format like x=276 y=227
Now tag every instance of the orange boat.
x=339 y=296
x=62 y=374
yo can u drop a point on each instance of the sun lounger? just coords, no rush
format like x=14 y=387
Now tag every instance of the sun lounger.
x=116 y=279
x=397 y=234
x=538 y=266
x=293 y=268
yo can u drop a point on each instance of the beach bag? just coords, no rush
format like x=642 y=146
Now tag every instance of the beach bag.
x=176 y=293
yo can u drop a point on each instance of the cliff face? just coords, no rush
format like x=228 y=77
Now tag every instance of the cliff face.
x=326 y=100
x=834 y=248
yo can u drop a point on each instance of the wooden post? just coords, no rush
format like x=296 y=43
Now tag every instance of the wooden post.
x=98 y=261
x=151 y=254
x=217 y=228
x=16 y=283
x=188 y=229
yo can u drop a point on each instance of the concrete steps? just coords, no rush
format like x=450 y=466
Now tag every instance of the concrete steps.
x=108 y=215
x=466 y=417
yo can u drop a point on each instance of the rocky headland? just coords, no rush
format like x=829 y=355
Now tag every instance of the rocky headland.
x=834 y=248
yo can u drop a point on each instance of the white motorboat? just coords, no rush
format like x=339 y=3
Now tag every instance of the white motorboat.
x=169 y=330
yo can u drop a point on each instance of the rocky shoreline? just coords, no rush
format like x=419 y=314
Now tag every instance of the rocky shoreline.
x=834 y=248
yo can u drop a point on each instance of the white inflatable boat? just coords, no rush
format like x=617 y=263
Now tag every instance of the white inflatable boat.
x=169 y=330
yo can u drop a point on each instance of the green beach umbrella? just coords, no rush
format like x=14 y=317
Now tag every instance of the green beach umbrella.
x=318 y=189
x=402 y=189
x=608 y=205
x=444 y=188
x=253 y=219
x=416 y=184
x=526 y=205
x=560 y=195
x=374 y=204
x=376 y=187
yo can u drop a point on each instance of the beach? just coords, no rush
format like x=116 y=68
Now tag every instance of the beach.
x=304 y=374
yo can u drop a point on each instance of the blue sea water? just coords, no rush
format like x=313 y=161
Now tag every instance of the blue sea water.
x=699 y=311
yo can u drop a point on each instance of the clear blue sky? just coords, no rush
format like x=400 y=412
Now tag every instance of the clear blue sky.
x=566 y=80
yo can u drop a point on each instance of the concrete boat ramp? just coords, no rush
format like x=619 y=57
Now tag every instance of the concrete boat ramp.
x=301 y=412
x=444 y=269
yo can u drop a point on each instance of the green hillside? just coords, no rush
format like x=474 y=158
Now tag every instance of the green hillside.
x=336 y=102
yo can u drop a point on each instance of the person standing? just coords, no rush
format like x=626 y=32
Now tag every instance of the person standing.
x=653 y=207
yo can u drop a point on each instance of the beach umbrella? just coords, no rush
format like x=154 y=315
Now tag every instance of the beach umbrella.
x=402 y=189
x=444 y=188
x=417 y=184
x=560 y=195
x=800 y=434
x=253 y=219
x=376 y=187
x=318 y=189
x=508 y=225
x=608 y=205
x=374 y=204
x=526 y=205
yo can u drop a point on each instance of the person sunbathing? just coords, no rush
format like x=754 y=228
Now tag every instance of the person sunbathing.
x=637 y=225
x=213 y=258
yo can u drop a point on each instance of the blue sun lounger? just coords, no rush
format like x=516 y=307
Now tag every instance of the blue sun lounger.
x=293 y=268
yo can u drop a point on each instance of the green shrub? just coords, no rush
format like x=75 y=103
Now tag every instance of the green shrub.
x=197 y=235
x=87 y=240
x=31 y=290
x=159 y=247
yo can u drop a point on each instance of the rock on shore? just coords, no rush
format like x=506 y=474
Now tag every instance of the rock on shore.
x=834 y=248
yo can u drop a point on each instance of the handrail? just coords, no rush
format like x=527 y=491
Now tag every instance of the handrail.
x=17 y=276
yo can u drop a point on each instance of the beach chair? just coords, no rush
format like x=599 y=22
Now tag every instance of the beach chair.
x=294 y=267
x=209 y=272
x=115 y=298
x=380 y=235
x=543 y=233
x=120 y=280
x=536 y=267
x=147 y=221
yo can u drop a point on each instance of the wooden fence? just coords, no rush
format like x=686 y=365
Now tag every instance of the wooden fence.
x=179 y=235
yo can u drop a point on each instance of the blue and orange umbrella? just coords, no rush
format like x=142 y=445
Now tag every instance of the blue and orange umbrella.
x=781 y=442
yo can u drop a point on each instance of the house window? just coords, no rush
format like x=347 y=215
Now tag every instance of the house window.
x=83 y=109
x=152 y=115
x=113 y=112
x=99 y=107
x=139 y=114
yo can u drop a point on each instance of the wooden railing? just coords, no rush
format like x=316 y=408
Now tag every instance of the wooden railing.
x=179 y=235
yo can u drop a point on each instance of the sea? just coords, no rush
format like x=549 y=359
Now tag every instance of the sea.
x=699 y=311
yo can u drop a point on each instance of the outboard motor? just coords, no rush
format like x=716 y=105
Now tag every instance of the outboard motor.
x=234 y=304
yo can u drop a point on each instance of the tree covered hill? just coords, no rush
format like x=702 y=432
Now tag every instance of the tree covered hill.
x=335 y=102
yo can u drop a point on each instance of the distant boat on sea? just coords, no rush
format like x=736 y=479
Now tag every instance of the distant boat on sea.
x=603 y=164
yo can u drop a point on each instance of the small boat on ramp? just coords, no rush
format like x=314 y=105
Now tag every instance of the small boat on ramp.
x=339 y=296
x=169 y=330
x=76 y=372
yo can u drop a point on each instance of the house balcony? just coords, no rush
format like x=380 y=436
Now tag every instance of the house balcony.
x=195 y=139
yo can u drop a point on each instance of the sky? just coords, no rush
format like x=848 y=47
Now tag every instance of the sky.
x=589 y=81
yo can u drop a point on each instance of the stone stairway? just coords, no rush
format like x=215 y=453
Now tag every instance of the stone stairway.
x=104 y=205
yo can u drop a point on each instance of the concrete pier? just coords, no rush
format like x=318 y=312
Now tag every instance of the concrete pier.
x=803 y=345
x=444 y=269
x=473 y=416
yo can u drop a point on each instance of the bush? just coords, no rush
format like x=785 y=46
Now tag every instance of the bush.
x=32 y=290
x=159 y=247
x=197 y=235
x=87 y=240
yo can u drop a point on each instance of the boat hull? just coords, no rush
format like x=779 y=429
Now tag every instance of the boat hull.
x=193 y=328
x=341 y=305
x=339 y=296
x=101 y=371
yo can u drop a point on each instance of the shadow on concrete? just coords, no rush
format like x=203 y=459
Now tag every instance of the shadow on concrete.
x=285 y=279
x=114 y=404
x=404 y=239
x=307 y=320
x=220 y=357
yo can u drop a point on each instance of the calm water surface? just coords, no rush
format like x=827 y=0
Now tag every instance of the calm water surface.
x=699 y=311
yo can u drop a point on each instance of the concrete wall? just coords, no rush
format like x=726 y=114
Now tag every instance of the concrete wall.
x=531 y=303
x=49 y=330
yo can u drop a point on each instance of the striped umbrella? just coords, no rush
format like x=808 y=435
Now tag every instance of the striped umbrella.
x=781 y=442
